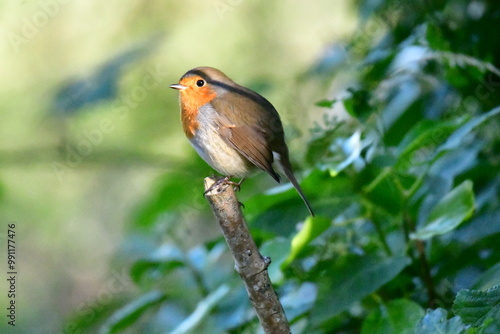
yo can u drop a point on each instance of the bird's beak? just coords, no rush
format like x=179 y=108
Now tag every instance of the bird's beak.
x=178 y=86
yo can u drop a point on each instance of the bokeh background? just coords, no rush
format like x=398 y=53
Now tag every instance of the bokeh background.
x=71 y=185
x=390 y=111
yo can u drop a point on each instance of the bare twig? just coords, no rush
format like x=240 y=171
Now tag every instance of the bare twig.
x=426 y=274
x=251 y=266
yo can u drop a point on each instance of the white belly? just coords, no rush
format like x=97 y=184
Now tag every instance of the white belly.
x=215 y=151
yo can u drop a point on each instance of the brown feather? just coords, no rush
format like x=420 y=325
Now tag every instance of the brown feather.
x=252 y=145
x=253 y=130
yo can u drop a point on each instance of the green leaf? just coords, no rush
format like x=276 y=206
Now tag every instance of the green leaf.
x=399 y=316
x=322 y=136
x=352 y=278
x=456 y=139
x=128 y=314
x=436 y=321
x=407 y=92
x=449 y=212
x=434 y=36
x=357 y=105
x=425 y=133
x=384 y=192
x=89 y=318
x=488 y=279
x=311 y=229
x=165 y=259
x=349 y=106
x=476 y=307
x=490 y=326
x=299 y=299
x=283 y=204
x=326 y=103
x=202 y=310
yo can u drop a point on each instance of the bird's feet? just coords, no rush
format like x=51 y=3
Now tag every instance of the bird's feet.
x=236 y=185
x=223 y=181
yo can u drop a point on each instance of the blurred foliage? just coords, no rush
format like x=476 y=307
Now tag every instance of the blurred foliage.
x=406 y=190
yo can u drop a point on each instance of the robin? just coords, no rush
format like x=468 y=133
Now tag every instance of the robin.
x=234 y=129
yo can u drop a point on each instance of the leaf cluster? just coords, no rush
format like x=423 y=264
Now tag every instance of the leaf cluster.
x=406 y=194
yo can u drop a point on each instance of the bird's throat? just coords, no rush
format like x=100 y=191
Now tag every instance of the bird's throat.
x=190 y=107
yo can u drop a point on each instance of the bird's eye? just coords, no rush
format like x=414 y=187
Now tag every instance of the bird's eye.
x=200 y=83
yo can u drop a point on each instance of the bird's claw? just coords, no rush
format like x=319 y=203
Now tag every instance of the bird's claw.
x=217 y=184
x=225 y=180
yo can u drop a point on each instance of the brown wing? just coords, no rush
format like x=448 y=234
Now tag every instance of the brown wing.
x=251 y=125
x=252 y=144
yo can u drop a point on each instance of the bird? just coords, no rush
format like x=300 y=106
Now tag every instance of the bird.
x=234 y=129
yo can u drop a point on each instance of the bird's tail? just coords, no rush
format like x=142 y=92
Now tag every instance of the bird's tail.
x=287 y=169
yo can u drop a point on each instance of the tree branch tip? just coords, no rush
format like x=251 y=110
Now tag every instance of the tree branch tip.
x=209 y=183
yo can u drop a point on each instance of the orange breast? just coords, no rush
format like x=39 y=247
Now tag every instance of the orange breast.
x=191 y=102
x=189 y=121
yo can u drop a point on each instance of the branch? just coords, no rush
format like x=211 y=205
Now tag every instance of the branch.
x=251 y=266
x=426 y=274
